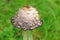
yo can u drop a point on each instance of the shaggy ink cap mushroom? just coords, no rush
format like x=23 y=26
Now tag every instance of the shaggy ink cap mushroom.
x=26 y=18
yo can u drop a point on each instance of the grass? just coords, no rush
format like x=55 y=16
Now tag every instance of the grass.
x=49 y=10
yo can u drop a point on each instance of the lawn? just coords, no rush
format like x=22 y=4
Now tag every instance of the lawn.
x=49 y=11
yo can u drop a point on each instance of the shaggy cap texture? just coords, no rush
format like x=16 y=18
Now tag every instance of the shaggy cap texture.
x=26 y=18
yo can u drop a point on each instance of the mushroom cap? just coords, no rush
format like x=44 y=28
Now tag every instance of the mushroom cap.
x=26 y=18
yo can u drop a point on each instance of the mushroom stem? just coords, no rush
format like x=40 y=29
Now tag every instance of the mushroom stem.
x=27 y=35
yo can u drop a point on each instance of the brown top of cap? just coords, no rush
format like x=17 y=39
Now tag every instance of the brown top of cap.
x=27 y=7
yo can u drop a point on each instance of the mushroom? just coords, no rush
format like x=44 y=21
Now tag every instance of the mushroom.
x=26 y=18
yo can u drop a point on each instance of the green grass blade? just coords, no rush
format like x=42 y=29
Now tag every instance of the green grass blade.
x=30 y=35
